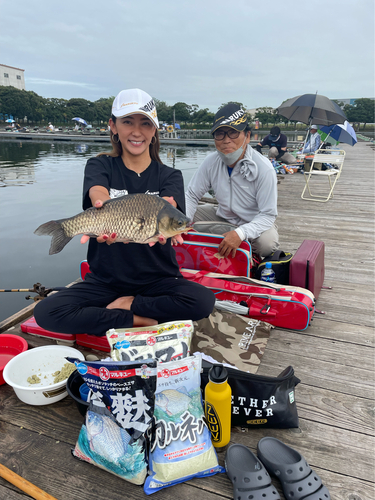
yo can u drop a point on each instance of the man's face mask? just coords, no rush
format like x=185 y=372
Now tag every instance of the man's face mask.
x=234 y=156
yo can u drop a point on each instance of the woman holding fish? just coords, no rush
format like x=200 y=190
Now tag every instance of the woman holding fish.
x=129 y=197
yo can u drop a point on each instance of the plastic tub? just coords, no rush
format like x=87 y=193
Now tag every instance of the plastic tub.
x=43 y=362
x=10 y=346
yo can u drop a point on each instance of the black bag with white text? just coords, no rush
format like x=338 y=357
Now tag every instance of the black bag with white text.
x=260 y=401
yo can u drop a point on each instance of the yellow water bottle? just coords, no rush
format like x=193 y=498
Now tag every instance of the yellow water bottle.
x=217 y=406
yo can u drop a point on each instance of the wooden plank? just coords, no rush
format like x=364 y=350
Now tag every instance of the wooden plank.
x=48 y=464
x=8 y=493
x=331 y=351
x=324 y=326
x=314 y=372
x=335 y=409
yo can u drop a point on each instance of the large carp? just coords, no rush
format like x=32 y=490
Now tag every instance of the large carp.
x=135 y=218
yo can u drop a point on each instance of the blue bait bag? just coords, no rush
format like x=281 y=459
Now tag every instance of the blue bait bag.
x=119 y=416
x=180 y=447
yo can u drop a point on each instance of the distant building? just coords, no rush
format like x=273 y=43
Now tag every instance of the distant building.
x=12 y=77
x=349 y=101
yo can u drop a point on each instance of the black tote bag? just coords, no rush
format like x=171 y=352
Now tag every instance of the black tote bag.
x=260 y=401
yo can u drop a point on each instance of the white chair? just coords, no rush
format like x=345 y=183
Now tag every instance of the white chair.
x=335 y=158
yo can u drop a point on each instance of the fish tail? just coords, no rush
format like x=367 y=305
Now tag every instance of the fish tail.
x=55 y=229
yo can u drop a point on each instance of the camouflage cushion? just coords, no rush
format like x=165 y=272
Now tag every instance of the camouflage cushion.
x=230 y=338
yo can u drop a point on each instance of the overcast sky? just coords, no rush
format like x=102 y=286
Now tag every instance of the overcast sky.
x=201 y=52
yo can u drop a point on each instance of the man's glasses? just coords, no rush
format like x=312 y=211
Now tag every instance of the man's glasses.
x=220 y=134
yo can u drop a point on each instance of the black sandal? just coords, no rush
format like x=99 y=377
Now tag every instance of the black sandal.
x=297 y=478
x=250 y=479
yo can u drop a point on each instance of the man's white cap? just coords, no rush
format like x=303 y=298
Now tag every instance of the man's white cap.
x=314 y=126
x=135 y=101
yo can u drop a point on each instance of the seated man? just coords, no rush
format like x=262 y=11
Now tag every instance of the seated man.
x=244 y=183
x=313 y=142
x=277 y=143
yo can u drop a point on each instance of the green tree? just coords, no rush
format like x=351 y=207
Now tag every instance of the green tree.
x=81 y=108
x=233 y=102
x=55 y=110
x=267 y=115
x=103 y=109
x=164 y=111
x=203 y=116
x=362 y=111
x=182 y=111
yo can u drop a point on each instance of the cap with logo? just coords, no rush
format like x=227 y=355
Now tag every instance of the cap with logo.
x=230 y=115
x=135 y=101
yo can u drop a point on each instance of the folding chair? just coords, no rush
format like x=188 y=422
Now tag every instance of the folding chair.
x=335 y=158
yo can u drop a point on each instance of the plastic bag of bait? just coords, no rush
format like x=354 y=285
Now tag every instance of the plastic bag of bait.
x=121 y=408
x=180 y=442
x=165 y=342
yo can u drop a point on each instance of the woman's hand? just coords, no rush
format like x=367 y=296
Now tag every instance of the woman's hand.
x=177 y=240
x=170 y=200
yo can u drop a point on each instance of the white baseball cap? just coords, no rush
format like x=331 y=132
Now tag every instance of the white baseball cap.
x=314 y=127
x=135 y=101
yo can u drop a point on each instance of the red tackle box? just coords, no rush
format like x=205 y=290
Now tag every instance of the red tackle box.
x=31 y=327
x=93 y=342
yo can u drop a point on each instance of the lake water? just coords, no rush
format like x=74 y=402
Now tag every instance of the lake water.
x=41 y=181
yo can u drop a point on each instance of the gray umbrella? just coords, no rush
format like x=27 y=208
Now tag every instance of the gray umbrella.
x=312 y=108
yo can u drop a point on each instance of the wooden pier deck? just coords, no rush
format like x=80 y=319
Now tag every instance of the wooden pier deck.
x=334 y=358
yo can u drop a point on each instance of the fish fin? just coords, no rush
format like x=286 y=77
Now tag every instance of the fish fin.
x=59 y=238
x=168 y=412
x=183 y=390
x=126 y=438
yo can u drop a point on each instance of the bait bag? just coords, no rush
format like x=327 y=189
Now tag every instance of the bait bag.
x=164 y=342
x=181 y=446
x=121 y=407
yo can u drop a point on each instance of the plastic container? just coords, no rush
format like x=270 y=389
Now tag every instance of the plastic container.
x=73 y=385
x=268 y=274
x=84 y=392
x=218 y=406
x=10 y=346
x=43 y=362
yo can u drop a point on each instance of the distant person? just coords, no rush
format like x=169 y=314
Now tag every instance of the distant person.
x=18 y=126
x=245 y=186
x=51 y=127
x=277 y=143
x=313 y=142
x=129 y=285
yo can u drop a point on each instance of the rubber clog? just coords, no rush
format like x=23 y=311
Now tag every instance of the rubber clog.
x=297 y=478
x=250 y=479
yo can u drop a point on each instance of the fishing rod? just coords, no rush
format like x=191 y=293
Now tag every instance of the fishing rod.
x=39 y=289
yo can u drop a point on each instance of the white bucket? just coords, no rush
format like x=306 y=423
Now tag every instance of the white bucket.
x=41 y=361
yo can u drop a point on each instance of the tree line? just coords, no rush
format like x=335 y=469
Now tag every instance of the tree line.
x=21 y=104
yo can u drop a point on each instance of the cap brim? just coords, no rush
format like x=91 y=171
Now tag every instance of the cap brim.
x=239 y=129
x=120 y=115
x=274 y=137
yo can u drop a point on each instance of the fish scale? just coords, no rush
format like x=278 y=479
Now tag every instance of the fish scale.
x=138 y=218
